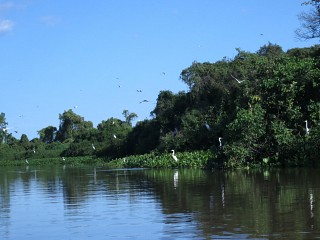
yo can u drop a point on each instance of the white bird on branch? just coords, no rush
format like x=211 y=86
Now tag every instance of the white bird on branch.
x=220 y=142
x=307 y=129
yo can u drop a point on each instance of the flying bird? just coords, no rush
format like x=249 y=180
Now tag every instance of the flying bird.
x=174 y=156
x=239 y=81
x=144 y=101
x=139 y=90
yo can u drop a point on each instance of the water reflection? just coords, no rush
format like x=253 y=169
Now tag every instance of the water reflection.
x=77 y=203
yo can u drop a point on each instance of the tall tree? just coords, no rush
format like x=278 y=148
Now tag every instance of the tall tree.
x=48 y=134
x=3 y=127
x=310 y=21
x=71 y=125
x=129 y=116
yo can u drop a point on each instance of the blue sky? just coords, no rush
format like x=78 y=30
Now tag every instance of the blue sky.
x=58 y=55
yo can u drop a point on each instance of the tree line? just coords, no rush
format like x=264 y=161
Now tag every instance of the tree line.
x=257 y=107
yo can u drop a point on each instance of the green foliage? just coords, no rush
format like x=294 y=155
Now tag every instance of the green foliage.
x=143 y=138
x=257 y=103
x=71 y=125
x=196 y=159
x=48 y=134
x=247 y=134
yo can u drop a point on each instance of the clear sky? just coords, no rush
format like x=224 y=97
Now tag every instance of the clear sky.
x=57 y=55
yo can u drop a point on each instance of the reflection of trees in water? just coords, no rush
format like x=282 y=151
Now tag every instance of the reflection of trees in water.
x=212 y=203
x=255 y=202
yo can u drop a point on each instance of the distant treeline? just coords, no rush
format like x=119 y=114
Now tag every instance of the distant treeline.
x=261 y=107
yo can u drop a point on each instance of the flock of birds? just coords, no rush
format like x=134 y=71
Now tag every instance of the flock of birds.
x=175 y=158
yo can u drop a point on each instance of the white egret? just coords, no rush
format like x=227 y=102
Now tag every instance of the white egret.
x=94 y=148
x=220 y=142
x=27 y=162
x=174 y=156
x=307 y=129
x=207 y=125
x=239 y=81
x=34 y=150
x=114 y=136
x=63 y=159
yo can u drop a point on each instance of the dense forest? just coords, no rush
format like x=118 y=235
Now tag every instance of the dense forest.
x=258 y=107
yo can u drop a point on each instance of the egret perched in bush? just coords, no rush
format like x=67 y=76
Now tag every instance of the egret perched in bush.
x=27 y=162
x=94 y=148
x=207 y=125
x=220 y=142
x=307 y=129
x=174 y=156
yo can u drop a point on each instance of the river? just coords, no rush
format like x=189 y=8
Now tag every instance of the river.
x=64 y=202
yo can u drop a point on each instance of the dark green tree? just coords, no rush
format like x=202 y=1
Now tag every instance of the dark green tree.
x=129 y=117
x=48 y=134
x=71 y=125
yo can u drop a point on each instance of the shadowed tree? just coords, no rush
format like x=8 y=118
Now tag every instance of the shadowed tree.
x=48 y=134
x=3 y=125
x=129 y=117
x=71 y=125
x=310 y=21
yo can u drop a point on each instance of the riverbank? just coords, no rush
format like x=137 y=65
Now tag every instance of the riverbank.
x=197 y=159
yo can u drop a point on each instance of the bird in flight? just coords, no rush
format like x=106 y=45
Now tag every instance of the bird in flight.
x=139 y=90
x=144 y=101
x=239 y=81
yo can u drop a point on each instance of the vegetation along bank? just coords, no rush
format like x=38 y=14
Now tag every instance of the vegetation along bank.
x=258 y=108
